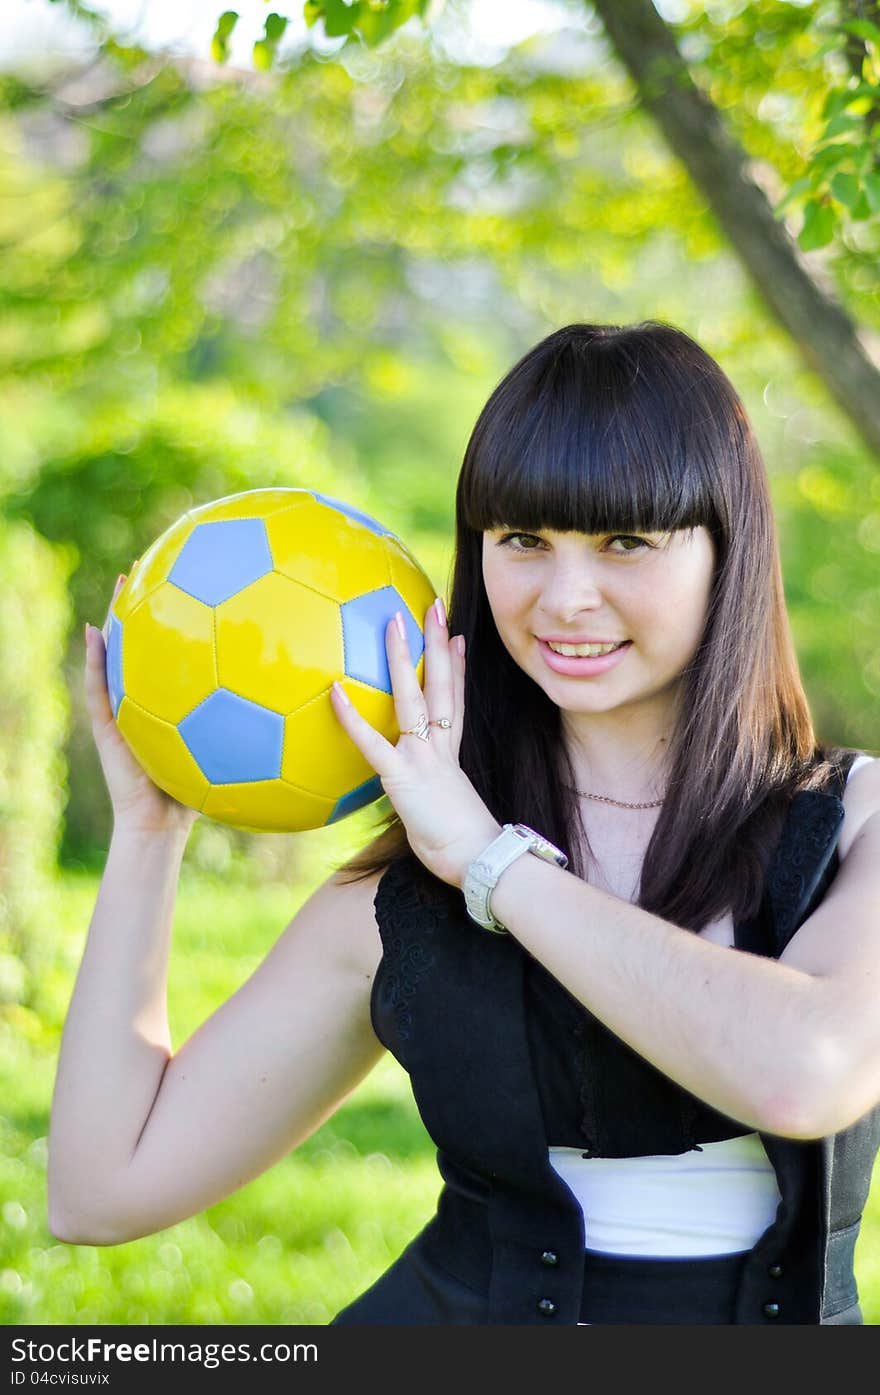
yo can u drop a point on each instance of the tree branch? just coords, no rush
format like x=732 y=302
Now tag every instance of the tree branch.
x=825 y=335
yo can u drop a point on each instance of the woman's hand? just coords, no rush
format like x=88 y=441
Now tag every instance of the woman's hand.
x=446 y=821
x=138 y=804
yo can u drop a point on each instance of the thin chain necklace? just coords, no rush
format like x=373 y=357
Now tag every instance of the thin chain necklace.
x=606 y=799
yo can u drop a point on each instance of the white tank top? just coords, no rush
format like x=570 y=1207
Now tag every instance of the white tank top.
x=714 y=1201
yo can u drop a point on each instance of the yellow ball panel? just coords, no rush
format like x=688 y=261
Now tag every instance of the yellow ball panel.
x=277 y=642
x=269 y=806
x=168 y=653
x=250 y=503
x=325 y=549
x=163 y=753
x=319 y=754
x=152 y=569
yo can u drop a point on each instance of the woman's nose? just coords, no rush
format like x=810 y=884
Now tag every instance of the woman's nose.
x=571 y=589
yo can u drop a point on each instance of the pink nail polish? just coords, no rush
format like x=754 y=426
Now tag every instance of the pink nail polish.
x=440 y=610
x=401 y=630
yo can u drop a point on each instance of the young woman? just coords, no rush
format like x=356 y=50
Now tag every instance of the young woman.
x=620 y=927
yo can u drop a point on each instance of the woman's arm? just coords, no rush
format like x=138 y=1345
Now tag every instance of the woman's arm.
x=141 y=1138
x=116 y=1043
x=789 y=1046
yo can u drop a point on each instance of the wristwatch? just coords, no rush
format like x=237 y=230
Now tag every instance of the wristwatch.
x=484 y=871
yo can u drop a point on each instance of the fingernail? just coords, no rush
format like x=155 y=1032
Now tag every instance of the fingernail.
x=440 y=610
x=459 y=642
x=341 y=694
x=401 y=630
x=87 y=634
x=120 y=578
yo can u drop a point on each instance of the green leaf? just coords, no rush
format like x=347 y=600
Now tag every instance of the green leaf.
x=371 y=20
x=226 y=23
x=220 y=40
x=839 y=124
x=275 y=27
x=800 y=186
x=266 y=48
x=834 y=102
x=339 y=18
x=863 y=29
x=818 y=226
x=831 y=156
x=861 y=209
x=871 y=184
x=846 y=189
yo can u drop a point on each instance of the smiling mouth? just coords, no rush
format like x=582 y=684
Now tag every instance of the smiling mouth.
x=584 y=649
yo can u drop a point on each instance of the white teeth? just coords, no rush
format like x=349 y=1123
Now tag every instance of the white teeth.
x=583 y=650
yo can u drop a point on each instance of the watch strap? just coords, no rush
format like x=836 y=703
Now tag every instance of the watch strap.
x=483 y=873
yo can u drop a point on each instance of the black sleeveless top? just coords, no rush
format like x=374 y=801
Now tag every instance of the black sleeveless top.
x=584 y=1071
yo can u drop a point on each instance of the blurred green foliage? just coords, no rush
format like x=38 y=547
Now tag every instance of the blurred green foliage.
x=760 y=45
x=34 y=621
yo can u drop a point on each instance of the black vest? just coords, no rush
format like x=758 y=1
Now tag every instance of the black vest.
x=506 y=1245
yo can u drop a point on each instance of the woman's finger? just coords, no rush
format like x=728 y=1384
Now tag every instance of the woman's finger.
x=97 y=696
x=95 y=680
x=409 y=700
x=371 y=743
x=440 y=695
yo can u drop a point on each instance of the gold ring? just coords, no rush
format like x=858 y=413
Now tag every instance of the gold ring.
x=420 y=730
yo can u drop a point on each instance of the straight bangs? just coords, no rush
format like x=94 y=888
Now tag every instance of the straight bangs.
x=593 y=443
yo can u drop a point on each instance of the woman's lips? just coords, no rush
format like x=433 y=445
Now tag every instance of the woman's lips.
x=581 y=668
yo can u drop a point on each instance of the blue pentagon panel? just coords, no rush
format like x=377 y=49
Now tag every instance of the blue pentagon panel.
x=354 y=513
x=219 y=559
x=357 y=799
x=363 y=635
x=233 y=740
x=113 y=666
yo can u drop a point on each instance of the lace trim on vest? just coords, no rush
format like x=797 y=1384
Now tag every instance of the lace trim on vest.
x=407 y=911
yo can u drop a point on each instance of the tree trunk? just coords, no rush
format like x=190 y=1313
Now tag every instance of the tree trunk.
x=823 y=332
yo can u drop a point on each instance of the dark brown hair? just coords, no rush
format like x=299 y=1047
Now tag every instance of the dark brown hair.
x=607 y=428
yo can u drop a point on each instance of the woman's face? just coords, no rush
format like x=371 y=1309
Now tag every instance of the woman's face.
x=650 y=590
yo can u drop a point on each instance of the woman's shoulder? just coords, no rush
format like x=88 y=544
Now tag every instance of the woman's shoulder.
x=861 y=799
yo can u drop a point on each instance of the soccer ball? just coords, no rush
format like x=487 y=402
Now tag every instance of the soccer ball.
x=224 y=642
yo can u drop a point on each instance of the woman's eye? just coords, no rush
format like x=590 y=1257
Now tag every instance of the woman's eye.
x=509 y=537
x=629 y=537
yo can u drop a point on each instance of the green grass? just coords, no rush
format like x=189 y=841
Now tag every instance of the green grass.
x=293 y=1246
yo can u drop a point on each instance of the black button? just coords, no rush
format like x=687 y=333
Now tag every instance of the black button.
x=771 y=1310
x=549 y=1257
x=547 y=1307
x=775 y=1271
